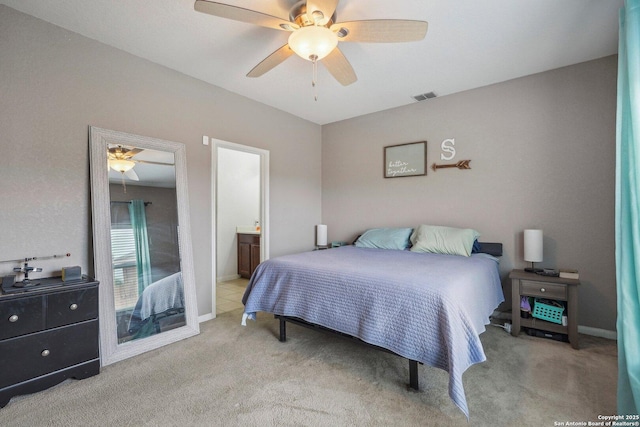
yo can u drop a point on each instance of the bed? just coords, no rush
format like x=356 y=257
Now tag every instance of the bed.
x=162 y=302
x=427 y=307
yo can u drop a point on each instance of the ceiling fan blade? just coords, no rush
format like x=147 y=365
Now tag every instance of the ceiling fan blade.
x=271 y=61
x=133 y=152
x=381 y=31
x=120 y=151
x=148 y=162
x=326 y=7
x=243 y=15
x=339 y=67
x=132 y=175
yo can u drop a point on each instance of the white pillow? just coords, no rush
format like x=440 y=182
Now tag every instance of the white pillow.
x=443 y=240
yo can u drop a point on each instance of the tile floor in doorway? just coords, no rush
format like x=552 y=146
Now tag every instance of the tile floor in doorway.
x=229 y=295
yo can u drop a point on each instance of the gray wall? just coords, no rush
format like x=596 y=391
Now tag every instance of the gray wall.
x=542 y=152
x=54 y=84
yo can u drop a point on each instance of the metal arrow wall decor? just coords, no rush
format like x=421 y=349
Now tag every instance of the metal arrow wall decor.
x=462 y=164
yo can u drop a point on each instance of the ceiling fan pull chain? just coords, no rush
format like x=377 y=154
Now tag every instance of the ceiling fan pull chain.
x=314 y=79
x=124 y=185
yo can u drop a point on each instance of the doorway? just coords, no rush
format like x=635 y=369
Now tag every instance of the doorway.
x=240 y=185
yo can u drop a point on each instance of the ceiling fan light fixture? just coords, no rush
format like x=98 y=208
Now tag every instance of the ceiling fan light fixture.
x=313 y=41
x=121 y=165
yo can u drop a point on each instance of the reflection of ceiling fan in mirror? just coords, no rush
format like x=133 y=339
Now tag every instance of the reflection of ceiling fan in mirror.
x=315 y=34
x=121 y=159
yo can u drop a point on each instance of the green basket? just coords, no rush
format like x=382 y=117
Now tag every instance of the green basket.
x=551 y=311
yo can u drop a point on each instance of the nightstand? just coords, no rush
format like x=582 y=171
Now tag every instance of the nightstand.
x=554 y=288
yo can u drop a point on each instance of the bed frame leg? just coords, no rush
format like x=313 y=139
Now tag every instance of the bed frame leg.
x=283 y=330
x=413 y=375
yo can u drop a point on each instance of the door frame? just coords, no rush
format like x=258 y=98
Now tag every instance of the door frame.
x=264 y=205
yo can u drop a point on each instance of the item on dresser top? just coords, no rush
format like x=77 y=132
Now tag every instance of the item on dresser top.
x=41 y=283
x=9 y=283
x=71 y=273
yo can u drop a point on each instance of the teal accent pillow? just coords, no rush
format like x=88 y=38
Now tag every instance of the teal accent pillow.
x=443 y=240
x=385 y=238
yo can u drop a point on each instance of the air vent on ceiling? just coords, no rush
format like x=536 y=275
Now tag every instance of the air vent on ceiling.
x=424 y=96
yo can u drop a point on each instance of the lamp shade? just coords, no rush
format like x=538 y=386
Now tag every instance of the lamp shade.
x=313 y=42
x=321 y=235
x=533 y=245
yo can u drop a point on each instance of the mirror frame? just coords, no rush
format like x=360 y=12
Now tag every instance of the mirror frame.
x=110 y=350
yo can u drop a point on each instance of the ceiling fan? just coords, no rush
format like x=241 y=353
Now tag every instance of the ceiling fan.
x=315 y=34
x=120 y=159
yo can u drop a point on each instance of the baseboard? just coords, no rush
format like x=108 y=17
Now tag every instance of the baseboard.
x=205 y=317
x=587 y=330
x=227 y=278
x=597 y=332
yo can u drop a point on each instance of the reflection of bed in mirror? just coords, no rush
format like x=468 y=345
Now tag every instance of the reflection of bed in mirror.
x=159 y=308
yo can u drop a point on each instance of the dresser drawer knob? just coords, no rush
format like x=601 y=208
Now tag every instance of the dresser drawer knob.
x=543 y=290
x=45 y=353
x=73 y=306
x=13 y=318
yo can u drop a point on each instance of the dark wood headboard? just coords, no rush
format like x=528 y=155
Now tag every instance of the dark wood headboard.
x=494 y=249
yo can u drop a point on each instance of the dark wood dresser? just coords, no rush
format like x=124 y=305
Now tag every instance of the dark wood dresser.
x=46 y=336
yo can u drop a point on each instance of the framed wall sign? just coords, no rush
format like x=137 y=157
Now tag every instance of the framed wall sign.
x=405 y=159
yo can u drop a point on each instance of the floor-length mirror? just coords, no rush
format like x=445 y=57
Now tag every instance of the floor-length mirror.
x=142 y=246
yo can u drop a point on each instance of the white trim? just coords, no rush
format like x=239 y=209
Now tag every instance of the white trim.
x=205 y=317
x=264 y=204
x=597 y=332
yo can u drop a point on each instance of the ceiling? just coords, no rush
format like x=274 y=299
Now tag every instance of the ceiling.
x=469 y=44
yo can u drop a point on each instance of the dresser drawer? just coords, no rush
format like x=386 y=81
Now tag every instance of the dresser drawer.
x=543 y=289
x=30 y=356
x=65 y=308
x=21 y=316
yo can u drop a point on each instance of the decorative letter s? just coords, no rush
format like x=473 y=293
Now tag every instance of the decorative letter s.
x=448 y=147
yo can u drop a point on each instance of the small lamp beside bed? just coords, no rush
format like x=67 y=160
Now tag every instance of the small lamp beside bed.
x=533 y=249
x=321 y=236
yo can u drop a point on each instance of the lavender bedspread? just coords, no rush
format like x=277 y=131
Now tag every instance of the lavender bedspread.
x=426 y=307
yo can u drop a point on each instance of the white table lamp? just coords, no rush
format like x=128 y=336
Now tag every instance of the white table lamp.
x=321 y=236
x=533 y=248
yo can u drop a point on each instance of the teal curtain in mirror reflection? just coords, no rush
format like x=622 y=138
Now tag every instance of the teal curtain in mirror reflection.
x=628 y=209
x=143 y=260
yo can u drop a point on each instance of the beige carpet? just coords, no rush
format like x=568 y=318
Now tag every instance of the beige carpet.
x=232 y=375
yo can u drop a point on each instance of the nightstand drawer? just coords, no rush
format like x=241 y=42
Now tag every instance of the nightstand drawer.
x=543 y=289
